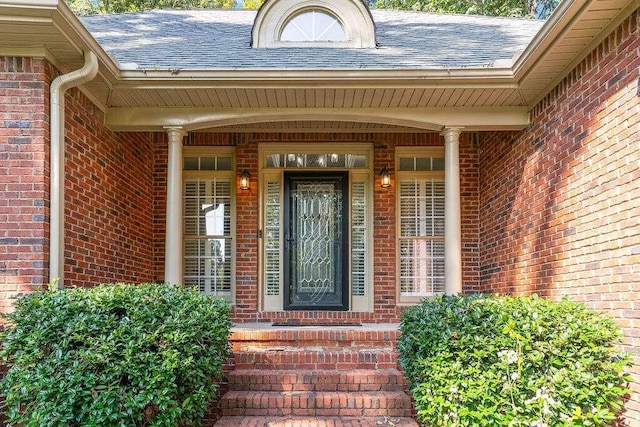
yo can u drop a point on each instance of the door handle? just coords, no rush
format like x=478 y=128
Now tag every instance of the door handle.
x=288 y=240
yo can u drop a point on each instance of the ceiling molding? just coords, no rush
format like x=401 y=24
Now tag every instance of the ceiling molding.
x=417 y=77
x=431 y=119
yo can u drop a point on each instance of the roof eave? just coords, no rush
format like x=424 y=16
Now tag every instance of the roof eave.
x=69 y=22
x=557 y=23
x=420 y=77
x=560 y=29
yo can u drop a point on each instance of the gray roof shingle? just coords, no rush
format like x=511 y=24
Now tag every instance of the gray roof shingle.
x=220 y=39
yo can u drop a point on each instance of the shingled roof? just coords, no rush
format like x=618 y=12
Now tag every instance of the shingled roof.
x=221 y=40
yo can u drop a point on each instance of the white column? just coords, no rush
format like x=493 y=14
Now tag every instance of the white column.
x=173 y=258
x=452 y=224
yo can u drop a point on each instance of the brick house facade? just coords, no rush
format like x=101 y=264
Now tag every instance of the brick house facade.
x=550 y=207
x=559 y=201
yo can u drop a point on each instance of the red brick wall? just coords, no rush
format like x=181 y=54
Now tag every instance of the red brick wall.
x=470 y=215
x=108 y=199
x=160 y=153
x=384 y=228
x=385 y=308
x=559 y=201
x=24 y=176
x=247 y=225
x=108 y=185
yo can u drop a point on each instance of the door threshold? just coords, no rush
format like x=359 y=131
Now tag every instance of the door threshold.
x=312 y=323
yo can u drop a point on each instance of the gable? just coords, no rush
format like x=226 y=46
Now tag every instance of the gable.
x=357 y=29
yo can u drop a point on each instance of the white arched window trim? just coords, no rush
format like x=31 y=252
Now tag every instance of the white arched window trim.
x=324 y=33
x=275 y=14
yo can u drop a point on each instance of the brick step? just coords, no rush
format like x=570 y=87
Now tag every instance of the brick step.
x=250 y=339
x=308 y=403
x=318 y=380
x=291 y=358
x=263 y=421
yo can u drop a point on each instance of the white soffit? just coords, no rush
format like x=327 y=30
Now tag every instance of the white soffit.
x=571 y=33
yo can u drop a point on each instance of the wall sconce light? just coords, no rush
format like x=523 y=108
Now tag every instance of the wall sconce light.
x=385 y=178
x=244 y=180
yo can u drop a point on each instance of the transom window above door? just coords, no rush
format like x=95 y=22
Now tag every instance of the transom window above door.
x=315 y=160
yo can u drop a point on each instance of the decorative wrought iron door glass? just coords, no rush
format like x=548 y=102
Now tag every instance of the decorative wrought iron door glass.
x=316 y=241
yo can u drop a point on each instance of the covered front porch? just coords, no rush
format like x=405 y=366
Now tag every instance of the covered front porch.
x=236 y=206
x=312 y=235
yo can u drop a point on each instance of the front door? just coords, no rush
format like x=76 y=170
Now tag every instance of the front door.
x=316 y=241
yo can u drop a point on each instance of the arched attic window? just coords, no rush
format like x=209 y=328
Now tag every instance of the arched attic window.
x=309 y=23
x=313 y=25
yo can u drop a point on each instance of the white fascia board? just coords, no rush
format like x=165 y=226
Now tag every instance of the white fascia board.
x=560 y=20
x=426 y=119
x=176 y=78
x=59 y=15
x=76 y=32
x=624 y=14
x=34 y=7
x=40 y=4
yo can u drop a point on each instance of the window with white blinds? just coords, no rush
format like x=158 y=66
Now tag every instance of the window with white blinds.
x=208 y=229
x=421 y=230
x=358 y=238
x=272 y=243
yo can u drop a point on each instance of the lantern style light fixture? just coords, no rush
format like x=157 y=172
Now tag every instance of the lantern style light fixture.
x=245 y=178
x=385 y=178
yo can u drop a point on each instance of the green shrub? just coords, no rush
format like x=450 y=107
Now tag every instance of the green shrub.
x=114 y=355
x=512 y=361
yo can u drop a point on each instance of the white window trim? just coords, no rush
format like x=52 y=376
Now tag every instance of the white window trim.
x=354 y=16
x=356 y=303
x=204 y=151
x=313 y=11
x=437 y=152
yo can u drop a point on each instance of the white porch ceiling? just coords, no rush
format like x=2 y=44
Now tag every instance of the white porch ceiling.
x=373 y=97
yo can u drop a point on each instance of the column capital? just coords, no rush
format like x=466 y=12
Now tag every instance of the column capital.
x=175 y=132
x=449 y=132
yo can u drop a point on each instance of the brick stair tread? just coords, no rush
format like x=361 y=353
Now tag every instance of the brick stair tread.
x=317 y=380
x=265 y=421
x=312 y=346
x=347 y=358
x=316 y=335
x=292 y=377
x=311 y=403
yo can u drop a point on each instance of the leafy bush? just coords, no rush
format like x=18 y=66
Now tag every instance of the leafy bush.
x=512 y=361
x=114 y=355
